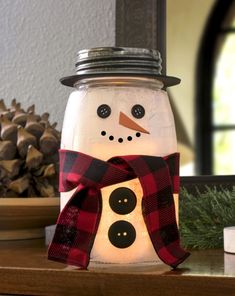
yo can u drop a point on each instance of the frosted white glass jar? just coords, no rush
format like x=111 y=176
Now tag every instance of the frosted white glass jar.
x=119 y=113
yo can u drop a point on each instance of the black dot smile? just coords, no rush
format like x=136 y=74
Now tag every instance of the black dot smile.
x=120 y=140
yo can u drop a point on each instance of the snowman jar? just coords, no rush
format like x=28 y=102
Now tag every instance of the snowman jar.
x=119 y=107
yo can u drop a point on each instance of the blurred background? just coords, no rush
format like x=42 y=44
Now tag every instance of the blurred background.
x=39 y=41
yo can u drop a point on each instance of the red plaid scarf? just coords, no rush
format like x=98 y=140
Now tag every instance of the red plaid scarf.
x=78 y=222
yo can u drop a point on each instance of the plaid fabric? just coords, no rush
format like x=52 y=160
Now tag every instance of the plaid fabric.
x=78 y=222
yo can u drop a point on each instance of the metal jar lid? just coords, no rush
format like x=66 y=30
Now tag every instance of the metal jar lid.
x=119 y=61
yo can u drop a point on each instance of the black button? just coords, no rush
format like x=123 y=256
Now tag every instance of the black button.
x=138 y=111
x=122 y=200
x=103 y=111
x=122 y=234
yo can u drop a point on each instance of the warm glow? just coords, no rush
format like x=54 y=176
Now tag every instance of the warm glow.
x=84 y=131
x=104 y=251
x=142 y=248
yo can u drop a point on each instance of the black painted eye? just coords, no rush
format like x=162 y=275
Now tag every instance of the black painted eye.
x=103 y=111
x=138 y=111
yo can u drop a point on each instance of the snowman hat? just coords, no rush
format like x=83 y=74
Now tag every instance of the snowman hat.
x=119 y=61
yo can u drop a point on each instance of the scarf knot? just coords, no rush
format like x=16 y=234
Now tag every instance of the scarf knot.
x=78 y=222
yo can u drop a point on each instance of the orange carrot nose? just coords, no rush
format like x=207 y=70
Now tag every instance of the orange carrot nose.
x=128 y=122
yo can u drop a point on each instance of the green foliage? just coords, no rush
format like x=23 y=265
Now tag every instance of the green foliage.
x=203 y=216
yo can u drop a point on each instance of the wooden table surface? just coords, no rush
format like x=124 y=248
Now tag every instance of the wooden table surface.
x=25 y=270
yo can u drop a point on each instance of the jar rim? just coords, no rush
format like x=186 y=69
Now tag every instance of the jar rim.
x=105 y=61
x=119 y=81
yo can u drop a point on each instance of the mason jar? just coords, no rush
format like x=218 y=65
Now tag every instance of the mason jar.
x=119 y=106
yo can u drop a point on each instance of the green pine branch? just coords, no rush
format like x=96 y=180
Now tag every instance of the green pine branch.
x=203 y=217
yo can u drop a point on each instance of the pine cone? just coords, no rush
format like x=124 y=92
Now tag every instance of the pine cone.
x=29 y=162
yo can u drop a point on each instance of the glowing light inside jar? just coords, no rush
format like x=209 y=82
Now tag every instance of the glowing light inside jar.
x=85 y=131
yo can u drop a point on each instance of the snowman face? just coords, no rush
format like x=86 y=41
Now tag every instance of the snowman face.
x=109 y=121
x=138 y=111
